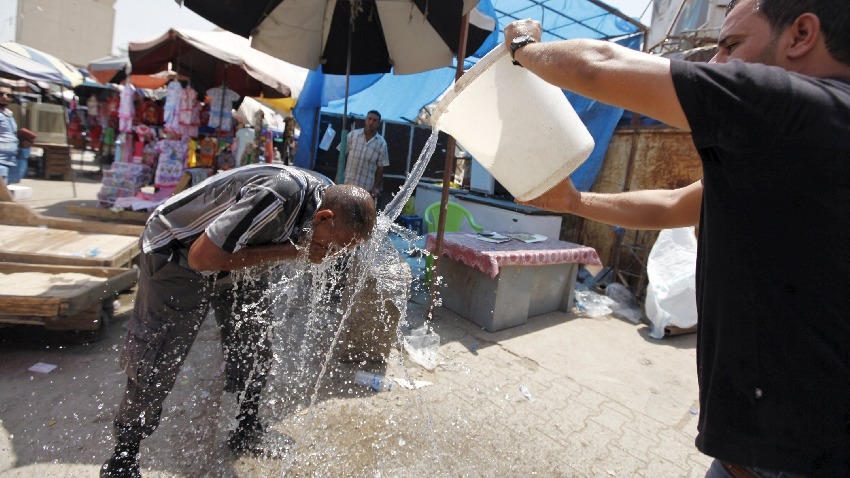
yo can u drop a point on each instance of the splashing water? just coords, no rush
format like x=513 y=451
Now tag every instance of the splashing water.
x=352 y=309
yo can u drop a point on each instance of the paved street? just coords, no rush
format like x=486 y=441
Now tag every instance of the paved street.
x=602 y=399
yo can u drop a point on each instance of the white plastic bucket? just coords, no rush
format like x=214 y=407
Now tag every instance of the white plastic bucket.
x=519 y=127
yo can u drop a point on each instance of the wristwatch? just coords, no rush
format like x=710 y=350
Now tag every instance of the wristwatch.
x=518 y=43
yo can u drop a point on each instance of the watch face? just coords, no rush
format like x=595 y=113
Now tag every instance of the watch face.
x=520 y=39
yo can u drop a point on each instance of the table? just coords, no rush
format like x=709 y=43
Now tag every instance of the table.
x=498 y=286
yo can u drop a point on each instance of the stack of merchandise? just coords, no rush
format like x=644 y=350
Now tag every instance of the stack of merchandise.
x=123 y=180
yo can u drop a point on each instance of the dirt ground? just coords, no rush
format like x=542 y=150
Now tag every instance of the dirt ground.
x=473 y=420
x=563 y=395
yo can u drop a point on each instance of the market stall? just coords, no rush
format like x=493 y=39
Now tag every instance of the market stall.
x=190 y=131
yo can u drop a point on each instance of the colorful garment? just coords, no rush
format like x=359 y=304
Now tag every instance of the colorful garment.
x=127 y=108
x=173 y=95
x=221 y=107
x=169 y=169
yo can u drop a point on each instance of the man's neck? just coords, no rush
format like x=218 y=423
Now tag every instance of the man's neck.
x=369 y=135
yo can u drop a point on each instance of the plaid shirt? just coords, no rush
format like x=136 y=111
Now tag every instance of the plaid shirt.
x=363 y=158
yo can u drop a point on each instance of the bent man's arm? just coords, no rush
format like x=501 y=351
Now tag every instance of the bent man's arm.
x=603 y=71
x=205 y=255
x=651 y=209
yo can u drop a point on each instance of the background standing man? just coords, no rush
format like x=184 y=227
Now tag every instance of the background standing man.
x=770 y=118
x=245 y=217
x=366 y=156
x=8 y=138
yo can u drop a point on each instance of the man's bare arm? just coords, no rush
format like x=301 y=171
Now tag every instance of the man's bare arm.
x=603 y=71
x=651 y=209
x=205 y=255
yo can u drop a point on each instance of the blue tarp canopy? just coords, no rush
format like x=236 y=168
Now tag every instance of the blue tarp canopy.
x=399 y=98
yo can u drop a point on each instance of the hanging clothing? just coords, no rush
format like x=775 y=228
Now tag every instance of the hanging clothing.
x=243 y=140
x=169 y=169
x=188 y=116
x=92 y=108
x=207 y=148
x=221 y=107
x=173 y=95
x=127 y=108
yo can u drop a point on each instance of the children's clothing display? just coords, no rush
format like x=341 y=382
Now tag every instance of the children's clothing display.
x=127 y=108
x=122 y=180
x=172 y=156
x=221 y=107
x=190 y=112
x=171 y=110
x=206 y=154
x=244 y=139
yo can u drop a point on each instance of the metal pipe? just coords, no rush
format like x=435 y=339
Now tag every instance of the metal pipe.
x=447 y=177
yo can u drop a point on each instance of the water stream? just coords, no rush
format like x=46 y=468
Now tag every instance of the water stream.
x=316 y=316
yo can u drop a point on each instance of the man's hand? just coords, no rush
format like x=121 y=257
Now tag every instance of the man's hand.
x=563 y=198
x=528 y=27
x=316 y=252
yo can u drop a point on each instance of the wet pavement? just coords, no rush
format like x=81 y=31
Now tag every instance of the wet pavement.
x=563 y=395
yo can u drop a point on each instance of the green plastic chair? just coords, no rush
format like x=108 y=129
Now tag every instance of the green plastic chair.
x=455 y=215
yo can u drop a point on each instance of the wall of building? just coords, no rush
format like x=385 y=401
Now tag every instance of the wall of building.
x=76 y=31
x=664 y=158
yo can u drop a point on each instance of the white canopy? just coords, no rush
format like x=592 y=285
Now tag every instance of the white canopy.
x=155 y=54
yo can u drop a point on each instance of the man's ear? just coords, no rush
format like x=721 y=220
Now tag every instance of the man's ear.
x=805 y=33
x=323 y=215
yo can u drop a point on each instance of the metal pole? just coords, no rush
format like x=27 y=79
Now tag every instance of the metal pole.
x=447 y=177
x=67 y=141
x=340 y=165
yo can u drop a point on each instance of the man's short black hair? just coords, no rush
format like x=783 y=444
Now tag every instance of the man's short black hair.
x=374 y=112
x=354 y=207
x=834 y=18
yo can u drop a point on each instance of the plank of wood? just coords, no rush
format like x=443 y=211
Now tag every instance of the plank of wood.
x=5 y=195
x=17 y=214
x=75 y=306
x=31 y=306
x=105 y=214
x=12 y=267
x=25 y=244
x=105 y=290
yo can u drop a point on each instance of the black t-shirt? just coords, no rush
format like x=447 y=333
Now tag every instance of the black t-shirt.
x=773 y=267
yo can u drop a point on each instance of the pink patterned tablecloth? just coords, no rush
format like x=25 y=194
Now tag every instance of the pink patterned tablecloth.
x=487 y=257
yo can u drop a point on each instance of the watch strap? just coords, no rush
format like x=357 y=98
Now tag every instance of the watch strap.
x=518 y=43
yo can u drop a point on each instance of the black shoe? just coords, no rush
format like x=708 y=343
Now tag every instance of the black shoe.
x=253 y=440
x=121 y=466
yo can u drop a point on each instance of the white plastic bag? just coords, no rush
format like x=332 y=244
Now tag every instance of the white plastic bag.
x=625 y=303
x=327 y=138
x=671 y=268
x=592 y=304
x=421 y=346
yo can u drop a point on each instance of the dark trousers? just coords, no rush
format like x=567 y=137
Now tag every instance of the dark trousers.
x=171 y=304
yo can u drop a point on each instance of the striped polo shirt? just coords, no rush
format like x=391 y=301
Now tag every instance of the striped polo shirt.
x=251 y=205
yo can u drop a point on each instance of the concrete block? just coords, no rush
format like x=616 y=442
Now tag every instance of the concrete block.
x=370 y=330
x=516 y=294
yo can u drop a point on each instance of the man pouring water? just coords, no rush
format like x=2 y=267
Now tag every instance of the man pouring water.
x=769 y=117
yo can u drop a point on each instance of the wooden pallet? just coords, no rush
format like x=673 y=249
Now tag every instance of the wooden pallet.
x=27 y=236
x=37 y=245
x=61 y=297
